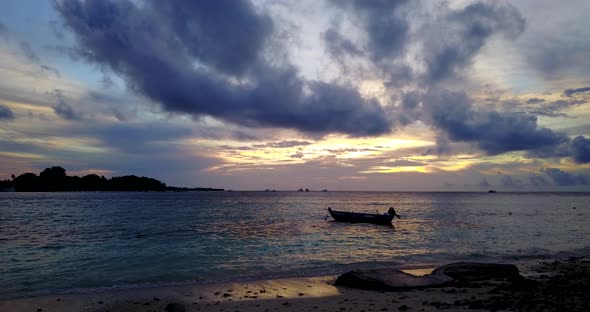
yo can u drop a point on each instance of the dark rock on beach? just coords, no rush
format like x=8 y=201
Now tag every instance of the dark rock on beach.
x=390 y=280
x=459 y=274
x=564 y=285
x=175 y=307
x=471 y=271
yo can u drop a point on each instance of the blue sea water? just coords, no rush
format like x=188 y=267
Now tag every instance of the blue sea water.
x=84 y=242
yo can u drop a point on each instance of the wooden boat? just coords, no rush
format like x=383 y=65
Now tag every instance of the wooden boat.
x=358 y=217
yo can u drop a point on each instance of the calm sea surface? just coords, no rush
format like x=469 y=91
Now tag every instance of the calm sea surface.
x=86 y=242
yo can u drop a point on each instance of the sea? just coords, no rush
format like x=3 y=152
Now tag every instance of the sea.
x=56 y=243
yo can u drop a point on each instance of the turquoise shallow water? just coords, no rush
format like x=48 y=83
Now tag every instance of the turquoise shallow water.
x=85 y=242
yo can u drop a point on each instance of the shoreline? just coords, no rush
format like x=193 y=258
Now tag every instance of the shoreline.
x=300 y=294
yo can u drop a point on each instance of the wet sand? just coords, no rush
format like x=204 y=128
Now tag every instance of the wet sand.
x=556 y=285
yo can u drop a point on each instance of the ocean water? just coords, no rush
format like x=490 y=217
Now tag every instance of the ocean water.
x=86 y=242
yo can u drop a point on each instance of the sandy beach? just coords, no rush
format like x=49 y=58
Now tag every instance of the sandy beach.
x=555 y=285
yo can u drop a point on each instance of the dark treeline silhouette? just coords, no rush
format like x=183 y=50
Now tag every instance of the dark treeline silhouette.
x=55 y=179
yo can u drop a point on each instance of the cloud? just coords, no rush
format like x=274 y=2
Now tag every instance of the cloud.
x=283 y=144
x=6 y=113
x=297 y=155
x=452 y=41
x=570 y=92
x=449 y=42
x=535 y=101
x=63 y=109
x=403 y=163
x=338 y=45
x=509 y=181
x=227 y=35
x=208 y=58
x=545 y=108
x=141 y=139
x=382 y=23
x=538 y=181
x=492 y=131
x=484 y=183
x=553 y=109
x=580 y=150
x=23 y=49
x=558 y=50
x=387 y=31
x=563 y=178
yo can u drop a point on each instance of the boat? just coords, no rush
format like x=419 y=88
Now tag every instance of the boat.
x=492 y=191
x=359 y=217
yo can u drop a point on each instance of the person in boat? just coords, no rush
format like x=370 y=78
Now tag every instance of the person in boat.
x=392 y=212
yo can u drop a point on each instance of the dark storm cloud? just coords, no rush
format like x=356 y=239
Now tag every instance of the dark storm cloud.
x=544 y=108
x=338 y=45
x=580 y=150
x=66 y=111
x=227 y=35
x=387 y=31
x=386 y=28
x=205 y=58
x=454 y=39
x=564 y=178
x=450 y=43
x=6 y=113
x=492 y=131
x=570 y=92
x=63 y=109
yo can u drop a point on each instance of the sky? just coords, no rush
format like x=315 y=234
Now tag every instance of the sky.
x=367 y=95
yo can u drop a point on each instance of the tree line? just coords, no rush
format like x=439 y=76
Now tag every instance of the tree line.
x=55 y=179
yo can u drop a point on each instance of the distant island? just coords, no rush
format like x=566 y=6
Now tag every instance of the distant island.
x=55 y=179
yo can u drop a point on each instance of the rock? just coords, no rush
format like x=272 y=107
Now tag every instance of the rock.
x=175 y=307
x=459 y=274
x=389 y=280
x=472 y=271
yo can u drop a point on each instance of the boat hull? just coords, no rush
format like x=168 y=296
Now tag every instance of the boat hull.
x=356 y=217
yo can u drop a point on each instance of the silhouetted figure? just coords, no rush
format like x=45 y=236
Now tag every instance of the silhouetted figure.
x=392 y=212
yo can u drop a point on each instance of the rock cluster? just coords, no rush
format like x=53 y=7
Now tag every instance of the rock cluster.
x=388 y=279
x=556 y=286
